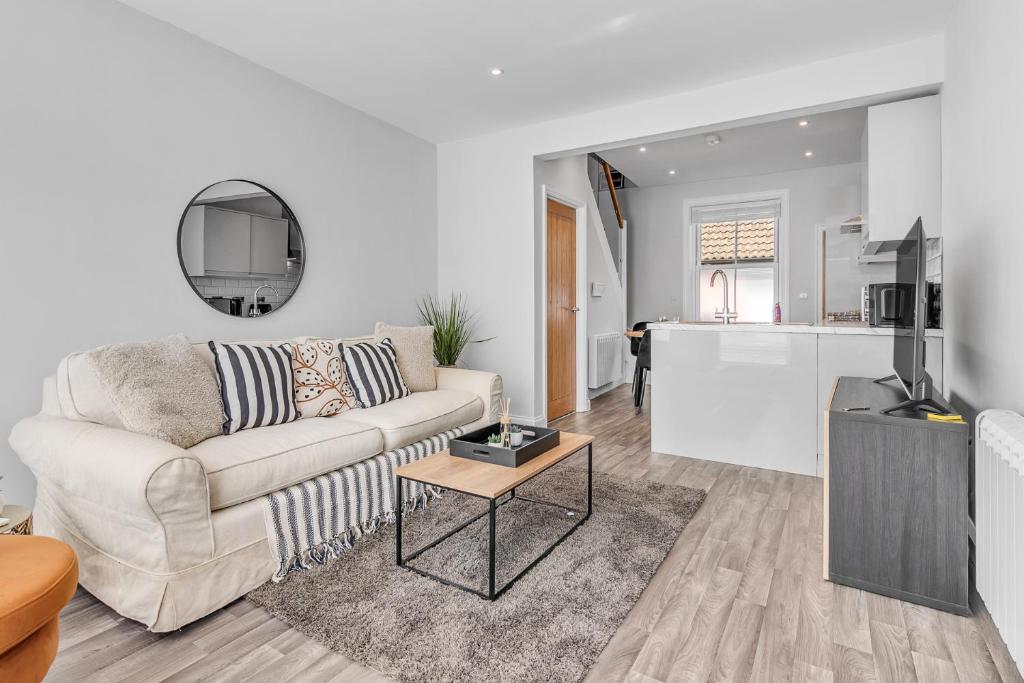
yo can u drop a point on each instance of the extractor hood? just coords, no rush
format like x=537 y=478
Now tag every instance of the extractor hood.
x=883 y=251
x=850 y=226
x=872 y=252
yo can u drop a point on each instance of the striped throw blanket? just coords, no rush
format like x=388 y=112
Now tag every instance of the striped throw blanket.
x=317 y=520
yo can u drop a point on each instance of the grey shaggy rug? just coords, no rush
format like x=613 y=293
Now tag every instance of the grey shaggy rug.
x=550 y=626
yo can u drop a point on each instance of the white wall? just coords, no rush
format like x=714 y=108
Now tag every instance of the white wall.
x=488 y=194
x=982 y=177
x=660 y=248
x=568 y=178
x=111 y=121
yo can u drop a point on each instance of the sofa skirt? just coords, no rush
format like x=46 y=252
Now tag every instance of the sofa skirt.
x=168 y=601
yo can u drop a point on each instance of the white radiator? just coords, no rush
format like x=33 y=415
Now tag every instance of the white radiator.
x=604 y=360
x=999 y=522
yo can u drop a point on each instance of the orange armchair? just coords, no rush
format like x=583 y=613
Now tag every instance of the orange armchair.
x=38 y=576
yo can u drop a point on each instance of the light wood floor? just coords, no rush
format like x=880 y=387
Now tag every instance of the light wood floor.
x=740 y=597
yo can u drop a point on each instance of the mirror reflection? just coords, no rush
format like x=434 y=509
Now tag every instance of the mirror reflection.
x=241 y=248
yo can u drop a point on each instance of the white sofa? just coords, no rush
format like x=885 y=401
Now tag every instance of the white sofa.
x=166 y=535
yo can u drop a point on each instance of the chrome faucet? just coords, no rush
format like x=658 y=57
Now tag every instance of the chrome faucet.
x=256 y=300
x=724 y=315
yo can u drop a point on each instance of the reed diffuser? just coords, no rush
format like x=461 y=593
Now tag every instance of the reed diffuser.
x=506 y=423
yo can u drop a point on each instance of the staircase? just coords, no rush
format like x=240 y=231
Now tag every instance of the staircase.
x=605 y=181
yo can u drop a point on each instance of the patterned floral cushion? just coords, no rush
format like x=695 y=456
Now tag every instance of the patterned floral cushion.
x=321 y=387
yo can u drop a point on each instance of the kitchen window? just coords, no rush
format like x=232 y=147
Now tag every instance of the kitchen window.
x=742 y=239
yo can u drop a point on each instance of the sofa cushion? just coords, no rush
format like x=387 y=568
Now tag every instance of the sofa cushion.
x=321 y=387
x=256 y=385
x=143 y=381
x=365 y=339
x=373 y=374
x=253 y=462
x=81 y=395
x=414 y=349
x=208 y=357
x=419 y=415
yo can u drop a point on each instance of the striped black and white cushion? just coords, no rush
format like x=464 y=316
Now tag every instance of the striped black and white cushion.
x=255 y=384
x=372 y=371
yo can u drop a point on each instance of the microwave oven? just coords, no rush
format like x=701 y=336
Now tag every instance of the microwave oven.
x=890 y=304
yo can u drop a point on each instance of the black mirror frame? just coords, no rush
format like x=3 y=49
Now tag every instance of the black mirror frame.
x=291 y=217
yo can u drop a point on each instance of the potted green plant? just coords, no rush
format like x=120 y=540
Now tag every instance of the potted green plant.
x=453 y=326
x=516 y=435
x=494 y=440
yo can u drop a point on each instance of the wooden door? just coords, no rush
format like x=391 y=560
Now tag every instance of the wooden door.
x=561 y=314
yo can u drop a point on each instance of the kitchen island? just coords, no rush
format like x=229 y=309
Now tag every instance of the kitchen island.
x=755 y=394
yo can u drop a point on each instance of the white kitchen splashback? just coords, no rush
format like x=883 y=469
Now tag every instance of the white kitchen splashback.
x=228 y=287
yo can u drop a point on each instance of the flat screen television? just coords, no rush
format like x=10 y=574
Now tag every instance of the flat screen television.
x=908 y=349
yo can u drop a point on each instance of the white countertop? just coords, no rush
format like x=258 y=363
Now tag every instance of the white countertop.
x=792 y=328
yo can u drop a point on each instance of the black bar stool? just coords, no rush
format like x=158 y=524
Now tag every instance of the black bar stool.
x=640 y=347
x=643 y=365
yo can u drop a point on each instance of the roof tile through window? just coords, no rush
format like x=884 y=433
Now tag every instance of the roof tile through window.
x=750 y=240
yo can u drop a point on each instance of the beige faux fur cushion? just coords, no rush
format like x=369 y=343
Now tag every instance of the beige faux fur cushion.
x=414 y=350
x=162 y=389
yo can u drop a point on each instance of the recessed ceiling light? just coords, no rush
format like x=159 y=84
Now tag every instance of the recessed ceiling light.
x=804 y=123
x=643 y=149
x=497 y=71
x=672 y=172
x=808 y=153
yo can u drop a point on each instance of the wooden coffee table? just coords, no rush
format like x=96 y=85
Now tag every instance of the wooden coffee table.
x=490 y=482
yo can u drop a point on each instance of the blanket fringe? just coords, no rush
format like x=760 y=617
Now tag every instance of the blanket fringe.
x=334 y=547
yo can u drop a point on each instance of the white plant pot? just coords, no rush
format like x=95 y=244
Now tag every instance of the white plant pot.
x=517 y=439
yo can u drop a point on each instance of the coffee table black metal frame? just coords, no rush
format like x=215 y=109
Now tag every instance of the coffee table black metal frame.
x=490 y=513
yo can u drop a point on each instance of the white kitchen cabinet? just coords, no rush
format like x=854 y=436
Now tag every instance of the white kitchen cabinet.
x=227 y=237
x=755 y=394
x=269 y=245
x=215 y=240
x=903 y=168
x=865 y=355
x=741 y=394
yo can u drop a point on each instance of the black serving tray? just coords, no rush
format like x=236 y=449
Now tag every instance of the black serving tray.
x=474 y=446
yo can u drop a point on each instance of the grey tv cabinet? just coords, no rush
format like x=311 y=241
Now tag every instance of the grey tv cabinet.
x=896 y=488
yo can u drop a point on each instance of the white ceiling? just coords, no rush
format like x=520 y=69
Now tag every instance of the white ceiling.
x=834 y=138
x=424 y=65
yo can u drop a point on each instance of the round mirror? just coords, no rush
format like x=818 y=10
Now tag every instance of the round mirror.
x=241 y=248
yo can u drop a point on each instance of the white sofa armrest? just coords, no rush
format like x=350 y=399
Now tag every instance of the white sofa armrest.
x=486 y=385
x=141 y=500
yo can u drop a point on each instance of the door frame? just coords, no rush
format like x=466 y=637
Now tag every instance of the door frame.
x=820 y=231
x=582 y=400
